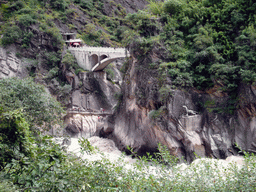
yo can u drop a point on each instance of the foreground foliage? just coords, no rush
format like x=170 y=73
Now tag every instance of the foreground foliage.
x=39 y=164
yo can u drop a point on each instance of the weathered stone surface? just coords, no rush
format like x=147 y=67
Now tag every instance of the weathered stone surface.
x=191 y=123
x=83 y=125
x=10 y=65
x=93 y=96
x=204 y=134
x=108 y=127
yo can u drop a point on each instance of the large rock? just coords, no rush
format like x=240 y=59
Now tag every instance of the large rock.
x=86 y=126
x=208 y=133
x=10 y=65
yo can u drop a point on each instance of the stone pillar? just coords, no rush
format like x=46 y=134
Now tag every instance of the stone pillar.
x=87 y=62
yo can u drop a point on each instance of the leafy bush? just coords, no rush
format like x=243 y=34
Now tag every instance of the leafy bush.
x=53 y=72
x=92 y=36
x=11 y=35
x=172 y=6
x=164 y=94
x=26 y=20
x=110 y=73
x=10 y=9
x=58 y=4
x=70 y=62
x=38 y=106
x=56 y=37
x=155 y=7
x=142 y=23
x=142 y=47
x=27 y=39
x=14 y=137
x=158 y=114
x=52 y=58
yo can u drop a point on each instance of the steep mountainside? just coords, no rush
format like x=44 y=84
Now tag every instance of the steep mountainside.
x=189 y=84
x=33 y=44
x=144 y=119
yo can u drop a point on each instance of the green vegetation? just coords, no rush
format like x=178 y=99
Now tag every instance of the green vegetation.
x=70 y=63
x=193 y=43
x=19 y=16
x=38 y=107
x=110 y=72
x=199 y=43
x=32 y=162
x=204 y=42
x=38 y=164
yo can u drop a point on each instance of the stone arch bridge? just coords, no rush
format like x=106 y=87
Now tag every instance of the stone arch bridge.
x=97 y=58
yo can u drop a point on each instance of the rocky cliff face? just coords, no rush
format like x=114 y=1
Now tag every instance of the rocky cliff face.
x=87 y=91
x=10 y=65
x=143 y=119
x=144 y=115
x=93 y=99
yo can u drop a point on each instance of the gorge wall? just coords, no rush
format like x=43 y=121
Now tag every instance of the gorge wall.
x=138 y=113
x=142 y=120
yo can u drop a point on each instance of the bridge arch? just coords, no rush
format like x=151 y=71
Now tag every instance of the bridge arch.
x=103 y=57
x=94 y=59
x=97 y=58
x=103 y=63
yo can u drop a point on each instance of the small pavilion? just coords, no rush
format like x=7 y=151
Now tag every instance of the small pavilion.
x=71 y=41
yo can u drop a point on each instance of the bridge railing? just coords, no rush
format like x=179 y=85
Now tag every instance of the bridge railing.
x=98 y=49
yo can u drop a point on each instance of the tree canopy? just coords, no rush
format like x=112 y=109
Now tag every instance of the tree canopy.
x=38 y=106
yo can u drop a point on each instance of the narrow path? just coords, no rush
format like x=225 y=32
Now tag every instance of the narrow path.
x=89 y=113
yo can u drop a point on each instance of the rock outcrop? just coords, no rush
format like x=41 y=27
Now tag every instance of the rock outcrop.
x=142 y=120
x=92 y=100
x=83 y=125
x=10 y=65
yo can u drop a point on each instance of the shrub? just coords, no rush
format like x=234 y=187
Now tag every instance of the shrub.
x=70 y=61
x=27 y=39
x=14 y=137
x=26 y=20
x=142 y=23
x=110 y=73
x=38 y=106
x=92 y=36
x=172 y=6
x=158 y=114
x=53 y=72
x=52 y=58
x=155 y=7
x=9 y=10
x=11 y=35
x=59 y=5
x=164 y=93
x=56 y=37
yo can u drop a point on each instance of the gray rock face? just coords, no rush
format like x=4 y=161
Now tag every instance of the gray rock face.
x=10 y=65
x=94 y=92
x=88 y=100
x=204 y=134
x=83 y=125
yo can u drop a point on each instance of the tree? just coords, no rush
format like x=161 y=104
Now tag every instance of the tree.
x=14 y=137
x=39 y=107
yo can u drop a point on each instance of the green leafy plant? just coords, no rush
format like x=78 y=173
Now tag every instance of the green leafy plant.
x=11 y=35
x=38 y=106
x=70 y=62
